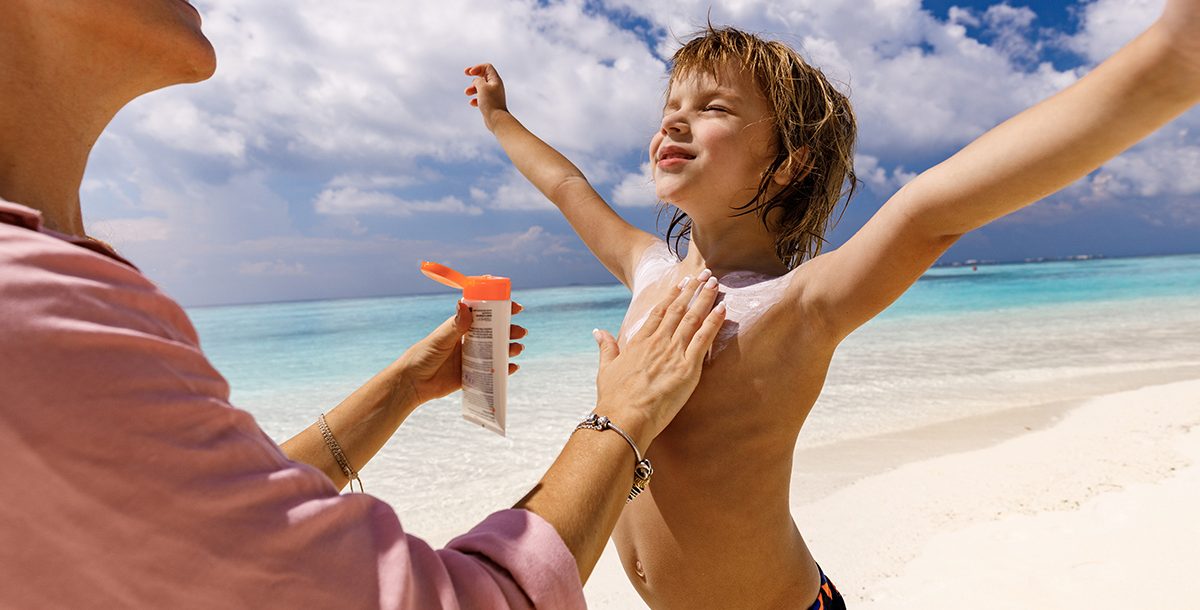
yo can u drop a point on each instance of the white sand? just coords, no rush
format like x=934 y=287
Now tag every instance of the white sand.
x=1095 y=506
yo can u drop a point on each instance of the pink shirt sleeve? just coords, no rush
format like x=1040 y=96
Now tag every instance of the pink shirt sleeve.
x=129 y=481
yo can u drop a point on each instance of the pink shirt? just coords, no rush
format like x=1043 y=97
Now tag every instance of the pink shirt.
x=127 y=480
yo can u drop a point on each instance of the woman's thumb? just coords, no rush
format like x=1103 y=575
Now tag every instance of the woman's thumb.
x=452 y=330
x=608 y=345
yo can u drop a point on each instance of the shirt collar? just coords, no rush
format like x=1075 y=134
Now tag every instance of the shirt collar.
x=28 y=218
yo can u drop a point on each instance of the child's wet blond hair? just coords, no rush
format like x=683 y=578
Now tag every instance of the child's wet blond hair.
x=814 y=138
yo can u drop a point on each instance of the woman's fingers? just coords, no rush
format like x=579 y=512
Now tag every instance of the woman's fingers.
x=517 y=332
x=655 y=317
x=703 y=339
x=700 y=307
x=515 y=349
x=682 y=303
x=517 y=308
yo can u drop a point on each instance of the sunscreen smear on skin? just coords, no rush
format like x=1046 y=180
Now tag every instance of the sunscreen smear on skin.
x=485 y=346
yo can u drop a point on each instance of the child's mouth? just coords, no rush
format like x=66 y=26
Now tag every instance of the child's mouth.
x=672 y=157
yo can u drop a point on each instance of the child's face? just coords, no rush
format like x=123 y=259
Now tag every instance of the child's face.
x=716 y=140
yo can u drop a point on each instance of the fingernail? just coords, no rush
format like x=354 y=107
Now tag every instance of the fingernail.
x=704 y=275
x=596 y=334
x=720 y=308
x=685 y=281
x=711 y=283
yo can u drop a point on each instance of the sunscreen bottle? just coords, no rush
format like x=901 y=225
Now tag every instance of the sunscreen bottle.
x=485 y=347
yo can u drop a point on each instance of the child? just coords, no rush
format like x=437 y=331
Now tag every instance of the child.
x=754 y=151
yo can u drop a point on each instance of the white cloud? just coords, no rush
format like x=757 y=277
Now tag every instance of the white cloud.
x=1106 y=25
x=130 y=230
x=528 y=246
x=1168 y=169
x=878 y=178
x=272 y=268
x=636 y=189
x=353 y=201
x=511 y=192
x=184 y=127
x=324 y=111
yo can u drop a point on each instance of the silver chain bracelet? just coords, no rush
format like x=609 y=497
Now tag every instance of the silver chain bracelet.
x=336 y=449
x=641 y=469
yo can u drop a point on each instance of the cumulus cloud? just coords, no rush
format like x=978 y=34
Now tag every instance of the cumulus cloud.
x=528 y=246
x=322 y=113
x=131 y=230
x=352 y=201
x=1106 y=25
x=636 y=189
x=274 y=268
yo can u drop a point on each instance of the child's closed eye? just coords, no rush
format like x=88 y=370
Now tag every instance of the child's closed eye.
x=712 y=108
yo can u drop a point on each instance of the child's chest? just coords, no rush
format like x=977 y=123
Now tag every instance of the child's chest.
x=753 y=306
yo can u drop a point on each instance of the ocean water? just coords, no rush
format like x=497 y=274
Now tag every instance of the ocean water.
x=959 y=343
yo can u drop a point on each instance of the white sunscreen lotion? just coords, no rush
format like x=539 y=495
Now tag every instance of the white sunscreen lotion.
x=485 y=346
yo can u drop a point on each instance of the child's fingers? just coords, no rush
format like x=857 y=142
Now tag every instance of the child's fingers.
x=703 y=339
x=697 y=312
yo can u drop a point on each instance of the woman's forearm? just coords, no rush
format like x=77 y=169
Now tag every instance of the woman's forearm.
x=583 y=492
x=362 y=424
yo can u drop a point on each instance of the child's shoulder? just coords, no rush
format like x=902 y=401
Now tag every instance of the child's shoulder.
x=655 y=262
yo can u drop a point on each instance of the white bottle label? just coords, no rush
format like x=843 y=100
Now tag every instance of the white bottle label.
x=485 y=365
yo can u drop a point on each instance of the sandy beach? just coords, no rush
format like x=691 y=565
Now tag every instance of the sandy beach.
x=1085 y=504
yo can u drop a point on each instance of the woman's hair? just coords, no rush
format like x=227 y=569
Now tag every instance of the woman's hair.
x=814 y=126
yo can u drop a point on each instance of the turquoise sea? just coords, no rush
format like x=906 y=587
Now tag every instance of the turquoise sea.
x=959 y=343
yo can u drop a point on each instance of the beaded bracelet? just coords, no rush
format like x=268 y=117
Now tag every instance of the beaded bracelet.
x=641 y=468
x=338 y=456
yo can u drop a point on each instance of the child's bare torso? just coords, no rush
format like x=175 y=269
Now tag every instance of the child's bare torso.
x=715 y=529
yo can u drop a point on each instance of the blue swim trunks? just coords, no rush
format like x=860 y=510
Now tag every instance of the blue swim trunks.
x=828 y=597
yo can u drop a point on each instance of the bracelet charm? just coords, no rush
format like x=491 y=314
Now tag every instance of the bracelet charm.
x=642 y=470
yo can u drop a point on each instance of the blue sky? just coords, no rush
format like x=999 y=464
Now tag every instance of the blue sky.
x=334 y=149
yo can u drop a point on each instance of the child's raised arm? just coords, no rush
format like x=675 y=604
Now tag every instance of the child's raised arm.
x=1150 y=81
x=613 y=240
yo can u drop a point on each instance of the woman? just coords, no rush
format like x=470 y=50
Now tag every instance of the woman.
x=133 y=483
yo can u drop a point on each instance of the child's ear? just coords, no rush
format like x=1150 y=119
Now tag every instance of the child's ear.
x=794 y=168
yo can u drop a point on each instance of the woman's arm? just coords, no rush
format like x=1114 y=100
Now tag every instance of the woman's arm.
x=366 y=419
x=614 y=241
x=1150 y=81
x=640 y=389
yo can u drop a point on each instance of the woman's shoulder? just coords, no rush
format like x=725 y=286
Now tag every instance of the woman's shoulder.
x=50 y=280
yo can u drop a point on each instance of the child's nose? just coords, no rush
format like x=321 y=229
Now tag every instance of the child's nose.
x=674 y=123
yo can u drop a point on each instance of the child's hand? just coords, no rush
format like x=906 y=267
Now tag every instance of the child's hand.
x=488 y=90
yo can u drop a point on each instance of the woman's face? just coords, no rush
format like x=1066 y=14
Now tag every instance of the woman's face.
x=157 y=41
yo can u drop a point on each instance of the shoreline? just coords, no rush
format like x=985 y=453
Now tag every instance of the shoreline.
x=934 y=504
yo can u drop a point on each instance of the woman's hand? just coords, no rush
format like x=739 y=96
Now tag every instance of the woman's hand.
x=488 y=92
x=645 y=385
x=433 y=366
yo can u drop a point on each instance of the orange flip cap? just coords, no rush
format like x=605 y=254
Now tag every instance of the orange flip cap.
x=474 y=287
